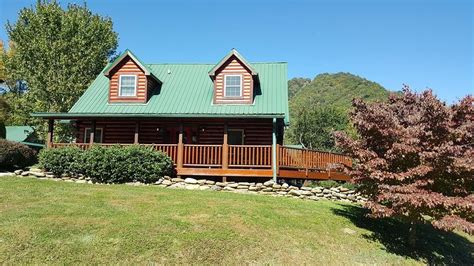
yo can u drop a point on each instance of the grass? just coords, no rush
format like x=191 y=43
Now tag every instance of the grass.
x=60 y=222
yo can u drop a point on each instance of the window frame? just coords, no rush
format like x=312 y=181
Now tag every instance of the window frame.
x=90 y=129
x=120 y=85
x=242 y=132
x=241 y=85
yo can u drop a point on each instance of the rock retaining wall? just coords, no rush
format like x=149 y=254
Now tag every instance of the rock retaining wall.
x=266 y=188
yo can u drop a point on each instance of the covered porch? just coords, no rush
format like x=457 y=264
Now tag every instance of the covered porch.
x=226 y=148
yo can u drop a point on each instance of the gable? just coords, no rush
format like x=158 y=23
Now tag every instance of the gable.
x=127 y=54
x=235 y=54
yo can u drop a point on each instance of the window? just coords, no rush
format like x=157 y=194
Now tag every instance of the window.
x=97 y=135
x=127 y=85
x=235 y=136
x=233 y=86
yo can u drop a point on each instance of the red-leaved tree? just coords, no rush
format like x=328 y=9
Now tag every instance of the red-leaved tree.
x=414 y=159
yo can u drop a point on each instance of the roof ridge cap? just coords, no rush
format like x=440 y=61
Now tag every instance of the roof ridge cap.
x=273 y=62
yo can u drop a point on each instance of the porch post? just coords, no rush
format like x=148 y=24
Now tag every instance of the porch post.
x=179 y=163
x=137 y=128
x=49 y=140
x=274 y=150
x=225 y=151
x=92 y=135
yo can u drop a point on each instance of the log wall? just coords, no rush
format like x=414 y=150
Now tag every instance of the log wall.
x=256 y=131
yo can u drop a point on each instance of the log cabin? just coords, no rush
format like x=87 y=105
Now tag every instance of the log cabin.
x=225 y=119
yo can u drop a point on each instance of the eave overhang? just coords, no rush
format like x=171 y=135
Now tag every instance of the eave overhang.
x=73 y=116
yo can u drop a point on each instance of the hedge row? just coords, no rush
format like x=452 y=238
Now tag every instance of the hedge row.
x=14 y=155
x=116 y=164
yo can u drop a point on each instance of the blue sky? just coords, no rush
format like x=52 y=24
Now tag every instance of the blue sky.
x=422 y=43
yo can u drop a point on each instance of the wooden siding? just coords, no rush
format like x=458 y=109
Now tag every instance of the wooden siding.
x=128 y=67
x=113 y=131
x=257 y=132
x=233 y=67
x=151 y=85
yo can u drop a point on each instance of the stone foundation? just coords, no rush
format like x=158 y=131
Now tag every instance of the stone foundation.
x=267 y=188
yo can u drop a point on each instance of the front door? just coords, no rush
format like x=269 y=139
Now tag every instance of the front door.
x=235 y=136
x=189 y=135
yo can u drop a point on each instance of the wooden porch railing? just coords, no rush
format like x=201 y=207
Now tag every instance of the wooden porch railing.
x=202 y=155
x=309 y=159
x=250 y=159
x=250 y=156
x=170 y=149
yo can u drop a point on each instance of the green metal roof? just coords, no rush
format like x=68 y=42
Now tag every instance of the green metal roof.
x=187 y=91
x=18 y=133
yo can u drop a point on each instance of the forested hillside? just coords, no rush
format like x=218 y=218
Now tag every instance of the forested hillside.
x=321 y=106
x=336 y=90
x=296 y=84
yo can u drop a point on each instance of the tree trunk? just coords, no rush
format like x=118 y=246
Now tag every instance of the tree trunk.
x=412 y=235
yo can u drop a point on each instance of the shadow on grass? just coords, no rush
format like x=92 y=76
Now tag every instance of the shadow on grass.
x=433 y=246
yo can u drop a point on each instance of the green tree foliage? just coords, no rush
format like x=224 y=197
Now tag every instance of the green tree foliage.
x=3 y=71
x=58 y=52
x=295 y=85
x=313 y=127
x=19 y=107
x=4 y=110
x=323 y=105
x=338 y=90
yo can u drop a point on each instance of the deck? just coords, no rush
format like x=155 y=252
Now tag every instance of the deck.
x=248 y=160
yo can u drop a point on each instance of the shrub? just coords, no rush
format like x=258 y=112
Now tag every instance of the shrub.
x=350 y=185
x=120 y=164
x=15 y=155
x=327 y=183
x=64 y=160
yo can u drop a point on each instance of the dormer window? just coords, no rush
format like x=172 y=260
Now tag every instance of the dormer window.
x=128 y=85
x=233 y=86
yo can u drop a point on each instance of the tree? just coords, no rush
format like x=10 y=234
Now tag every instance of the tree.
x=313 y=127
x=3 y=72
x=331 y=95
x=337 y=90
x=295 y=85
x=415 y=159
x=4 y=110
x=58 y=53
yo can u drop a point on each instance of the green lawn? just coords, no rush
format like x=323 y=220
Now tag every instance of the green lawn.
x=43 y=221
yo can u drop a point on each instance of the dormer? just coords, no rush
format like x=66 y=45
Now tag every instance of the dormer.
x=130 y=81
x=234 y=80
